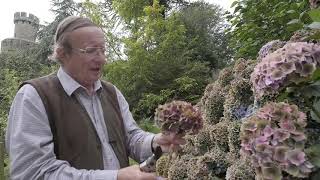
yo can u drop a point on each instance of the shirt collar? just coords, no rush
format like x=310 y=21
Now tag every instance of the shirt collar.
x=70 y=85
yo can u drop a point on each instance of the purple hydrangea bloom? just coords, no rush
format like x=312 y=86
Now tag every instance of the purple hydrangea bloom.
x=292 y=63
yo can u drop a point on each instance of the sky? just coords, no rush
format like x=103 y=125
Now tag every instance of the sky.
x=41 y=9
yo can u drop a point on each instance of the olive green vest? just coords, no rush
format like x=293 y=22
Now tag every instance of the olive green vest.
x=74 y=136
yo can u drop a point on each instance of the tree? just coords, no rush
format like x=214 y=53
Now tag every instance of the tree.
x=20 y=65
x=103 y=15
x=61 y=9
x=159 y=66
x=205 y=28
x=254 y=23
x=133 y=9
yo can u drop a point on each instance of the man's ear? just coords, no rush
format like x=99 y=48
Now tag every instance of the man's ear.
x=61 y=54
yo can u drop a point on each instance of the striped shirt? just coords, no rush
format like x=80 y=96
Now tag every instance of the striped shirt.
x=29 y=138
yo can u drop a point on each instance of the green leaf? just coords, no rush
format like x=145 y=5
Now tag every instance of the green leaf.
x=238 y=8
x=291 y=11
x=234 y=3
x=282 y=96
x=294 y=25
x=313 y=154
x=315 y=176
x=316 y=106
x=316 y=76
x=305 y=18
x=279 y=5
x=312 y=90
x=301 y=4
x=315 y=15
x=314 y=25
x=294 y=21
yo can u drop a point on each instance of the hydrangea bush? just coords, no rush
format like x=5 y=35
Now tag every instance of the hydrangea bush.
x=259 y=118
x=277 y=141
x=274 y=138
x=212 y=151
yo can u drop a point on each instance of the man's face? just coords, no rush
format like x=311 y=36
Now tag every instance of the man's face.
x=87 y=57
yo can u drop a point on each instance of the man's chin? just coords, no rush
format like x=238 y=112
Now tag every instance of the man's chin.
x=96 y=75
x=95 y=78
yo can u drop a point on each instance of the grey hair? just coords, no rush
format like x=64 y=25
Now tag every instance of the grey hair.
x=65 y=27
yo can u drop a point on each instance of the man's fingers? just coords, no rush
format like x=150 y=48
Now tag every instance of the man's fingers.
x=166 y=139
x=180 y=141
x=175 y=148
x=160 y=178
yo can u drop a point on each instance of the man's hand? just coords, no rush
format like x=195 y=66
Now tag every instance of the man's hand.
x=168 y=142
x=134 y=173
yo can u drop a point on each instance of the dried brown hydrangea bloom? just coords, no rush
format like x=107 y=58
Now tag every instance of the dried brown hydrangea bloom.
x=178 y=117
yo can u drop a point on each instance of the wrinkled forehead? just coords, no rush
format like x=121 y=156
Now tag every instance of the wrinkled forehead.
x=71 y=24
x=87 y=37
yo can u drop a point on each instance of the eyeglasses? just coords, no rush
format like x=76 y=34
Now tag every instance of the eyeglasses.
x=92 y=51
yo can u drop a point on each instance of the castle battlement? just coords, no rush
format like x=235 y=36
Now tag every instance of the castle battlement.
x=25 y=32
x=23 y=17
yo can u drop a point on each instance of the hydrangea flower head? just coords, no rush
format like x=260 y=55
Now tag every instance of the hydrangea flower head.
x=290 y=64
x=270 y=47
x=179 y=117
x=274 y=139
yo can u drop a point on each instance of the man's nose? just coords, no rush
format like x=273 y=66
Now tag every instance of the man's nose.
x=101 y=52
x=101 y=57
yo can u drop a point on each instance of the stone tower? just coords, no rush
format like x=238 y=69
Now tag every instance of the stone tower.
x=25 y=31
x=26 y=27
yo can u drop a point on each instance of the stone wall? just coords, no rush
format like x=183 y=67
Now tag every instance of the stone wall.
x=11 y=44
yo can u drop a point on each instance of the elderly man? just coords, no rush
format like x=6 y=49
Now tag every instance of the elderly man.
x=70 y=124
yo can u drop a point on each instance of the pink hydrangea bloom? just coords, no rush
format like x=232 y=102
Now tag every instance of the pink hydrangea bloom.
x=289 y=64
x=277 y=128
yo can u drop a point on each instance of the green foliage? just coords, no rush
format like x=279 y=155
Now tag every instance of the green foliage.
x=103 y=15
x=309 y=19
x=254 y=23
x=93 y=11
x=130 y=10
x=159 y=67
x=314 y=154
x=168 y=53
x=205 y=27
x=9 y=85
x=45 y=36
x=315 y=15
x=17 y=66
x=149 y=126
x=186 y=87
x=149 y=102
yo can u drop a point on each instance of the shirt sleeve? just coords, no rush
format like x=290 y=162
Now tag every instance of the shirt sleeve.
x=138 y=141
x=30 y=146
